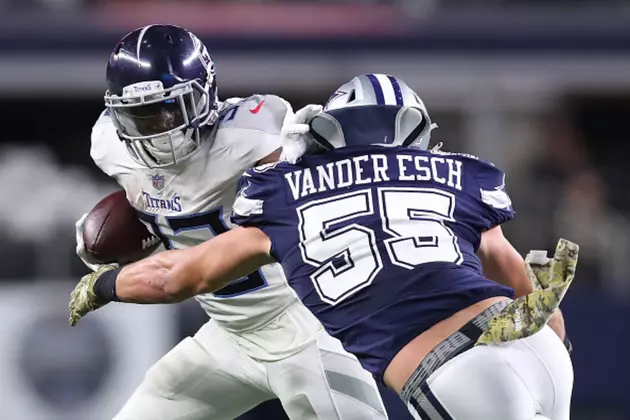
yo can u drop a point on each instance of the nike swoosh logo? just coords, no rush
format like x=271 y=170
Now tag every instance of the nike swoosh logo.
x=255 y=110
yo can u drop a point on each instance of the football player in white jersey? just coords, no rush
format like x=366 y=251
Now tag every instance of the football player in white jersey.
x=178 y=153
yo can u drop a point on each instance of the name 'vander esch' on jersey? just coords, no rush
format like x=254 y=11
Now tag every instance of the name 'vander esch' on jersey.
x=375 y=168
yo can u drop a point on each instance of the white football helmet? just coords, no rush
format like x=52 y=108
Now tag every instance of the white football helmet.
x=376 y=98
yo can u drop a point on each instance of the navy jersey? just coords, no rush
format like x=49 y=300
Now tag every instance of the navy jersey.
x=379 y=242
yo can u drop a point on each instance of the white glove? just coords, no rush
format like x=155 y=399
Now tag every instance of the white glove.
x=295 y=133
x=80 y=250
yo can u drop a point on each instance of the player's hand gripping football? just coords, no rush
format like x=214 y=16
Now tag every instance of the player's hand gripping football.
x=80 y=250
x=83 y=299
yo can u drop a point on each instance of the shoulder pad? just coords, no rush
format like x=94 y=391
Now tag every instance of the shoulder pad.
x=492 y=190
x=265 y=113
x=255 y=188
x=107 y=150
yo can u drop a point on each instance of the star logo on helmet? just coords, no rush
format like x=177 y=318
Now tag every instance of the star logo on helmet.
x=336 y=95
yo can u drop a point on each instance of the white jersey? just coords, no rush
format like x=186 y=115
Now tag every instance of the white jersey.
x=189 y=203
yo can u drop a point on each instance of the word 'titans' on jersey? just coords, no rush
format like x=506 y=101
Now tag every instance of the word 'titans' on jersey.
x=156 y=203
x=374 y=168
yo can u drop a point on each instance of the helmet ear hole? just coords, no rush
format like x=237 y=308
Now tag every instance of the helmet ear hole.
x=352 y=96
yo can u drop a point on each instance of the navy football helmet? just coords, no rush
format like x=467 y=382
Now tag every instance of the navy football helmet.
x=161 y=91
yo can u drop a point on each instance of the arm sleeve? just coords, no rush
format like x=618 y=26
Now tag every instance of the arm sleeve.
x=496 y=205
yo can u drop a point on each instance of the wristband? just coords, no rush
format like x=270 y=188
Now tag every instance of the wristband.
x=105 y=285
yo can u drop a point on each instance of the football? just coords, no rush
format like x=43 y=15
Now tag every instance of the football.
x=114 y=234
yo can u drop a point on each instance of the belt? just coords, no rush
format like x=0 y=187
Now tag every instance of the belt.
x=460 y=341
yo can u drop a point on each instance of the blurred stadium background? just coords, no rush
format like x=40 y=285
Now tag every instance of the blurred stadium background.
x=540 y=87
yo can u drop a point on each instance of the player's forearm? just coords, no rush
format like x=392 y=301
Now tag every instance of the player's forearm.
x=176 y=275
x=507 y=267
x=502 y=263
x=229 y=256
x=151 y=280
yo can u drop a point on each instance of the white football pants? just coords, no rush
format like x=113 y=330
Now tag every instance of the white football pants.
x=208 y=377
x=527 y=379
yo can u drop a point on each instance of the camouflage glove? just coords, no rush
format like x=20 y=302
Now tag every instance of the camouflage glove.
x=83 y=298
x=527 y=315
x=537 y=265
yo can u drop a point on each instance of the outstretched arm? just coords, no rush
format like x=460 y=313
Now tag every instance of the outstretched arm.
x=173 y=276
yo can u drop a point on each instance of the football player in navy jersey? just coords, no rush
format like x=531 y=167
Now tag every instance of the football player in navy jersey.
x=397 y=249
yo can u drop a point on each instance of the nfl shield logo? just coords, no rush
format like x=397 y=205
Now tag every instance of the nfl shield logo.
x=158 y=181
